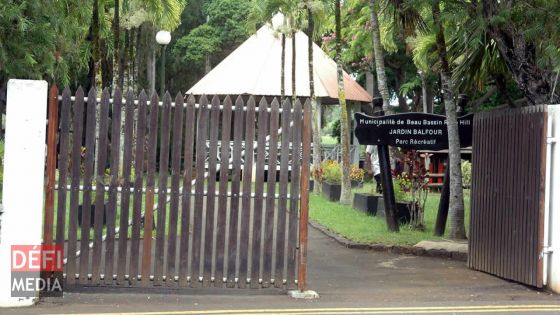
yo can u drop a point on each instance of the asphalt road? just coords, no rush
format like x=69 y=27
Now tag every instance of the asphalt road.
x=348 y=281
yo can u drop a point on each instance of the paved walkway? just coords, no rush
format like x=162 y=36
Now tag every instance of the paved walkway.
x=344 y=278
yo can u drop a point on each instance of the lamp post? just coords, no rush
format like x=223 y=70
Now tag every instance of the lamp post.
x=163 y=38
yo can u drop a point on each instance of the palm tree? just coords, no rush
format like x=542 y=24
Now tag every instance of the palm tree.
x=456 y=203
x=262 y=12
x=93 y=37
x=346 y=192
x=147 y=17
x=379 y=61
x=316 y=111
x=296 y=16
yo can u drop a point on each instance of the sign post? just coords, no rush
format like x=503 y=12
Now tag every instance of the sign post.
x=418 y=131
x=387 y=183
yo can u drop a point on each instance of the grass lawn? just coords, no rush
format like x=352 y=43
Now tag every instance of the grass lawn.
x=326 y=139
x=357 y=226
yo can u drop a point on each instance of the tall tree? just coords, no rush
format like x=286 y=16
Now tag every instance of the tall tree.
x=346 y=192
x=44 y=41
x=456 y=202
x=520 y=39
x=93 y=37
x=316 y=110
x=118 y=60
x=379 y=59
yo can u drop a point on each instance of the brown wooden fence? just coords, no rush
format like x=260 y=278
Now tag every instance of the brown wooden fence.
x=507 y=221
x=195 y=192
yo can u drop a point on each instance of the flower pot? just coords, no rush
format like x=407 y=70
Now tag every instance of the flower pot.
x=367 y=203
x=331 y=191
x=403 y=212
x=355 y=183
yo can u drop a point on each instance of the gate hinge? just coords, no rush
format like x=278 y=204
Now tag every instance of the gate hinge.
x=550 y=140
x=547 y=250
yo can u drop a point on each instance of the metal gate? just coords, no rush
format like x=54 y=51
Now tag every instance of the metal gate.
x=507 y=217
x=195 y=192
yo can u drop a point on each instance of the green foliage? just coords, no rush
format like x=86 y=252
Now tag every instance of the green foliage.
x=227 y=17
x=331 y=171
x=216 y=38
x=424 y=51
x=360 y=227
x=466 y=170
x=193 y=49
x=411 y=86
x=41 y=40
x=335 y=130
x=356 y=173
x=400 y=194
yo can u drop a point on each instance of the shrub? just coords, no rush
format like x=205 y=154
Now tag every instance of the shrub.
x=335 y=131
x=399 y=184
x=411 y=187
x=356 y=173
x=466 y=170
x=332 y=173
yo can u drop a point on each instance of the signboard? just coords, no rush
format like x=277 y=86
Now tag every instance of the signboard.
x=411 y=130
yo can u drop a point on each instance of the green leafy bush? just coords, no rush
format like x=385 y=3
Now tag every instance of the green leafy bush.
x=466 y=170
x=335 y=131
x=332 y=172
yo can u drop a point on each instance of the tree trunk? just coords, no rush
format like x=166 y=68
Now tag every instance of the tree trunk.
x=379 y=61
x=283 y=69
x=456 y=203
x=399 y=81
x=123 y=60
x=346 y=192
x=424 y=94
x=207 y=65
x=294 y=92
x=118 y=60
x=93 y=37
x=430 y=97
x=371 y=84
x=140 y=69
x=317 y=188
x=151 y=63
x=106 y=66
x=132 y=75
x=151 y=67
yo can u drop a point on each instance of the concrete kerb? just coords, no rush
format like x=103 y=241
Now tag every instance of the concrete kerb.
x=305 y=295
x=395 y=249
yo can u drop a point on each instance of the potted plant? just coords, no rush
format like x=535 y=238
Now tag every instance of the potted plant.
x=369 y=202
x=356 y=176
x=332 y=175
x=411 y=190
x=366 y=201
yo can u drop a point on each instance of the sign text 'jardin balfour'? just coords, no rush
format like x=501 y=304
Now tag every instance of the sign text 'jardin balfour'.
x=418 y=131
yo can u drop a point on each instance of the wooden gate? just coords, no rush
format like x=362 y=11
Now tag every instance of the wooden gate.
x=201 y=192
x=507 y=218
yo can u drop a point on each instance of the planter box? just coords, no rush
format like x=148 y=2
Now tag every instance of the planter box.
x=403 y=213
x=367 y=203
x=355 y=183
x=331 y=191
